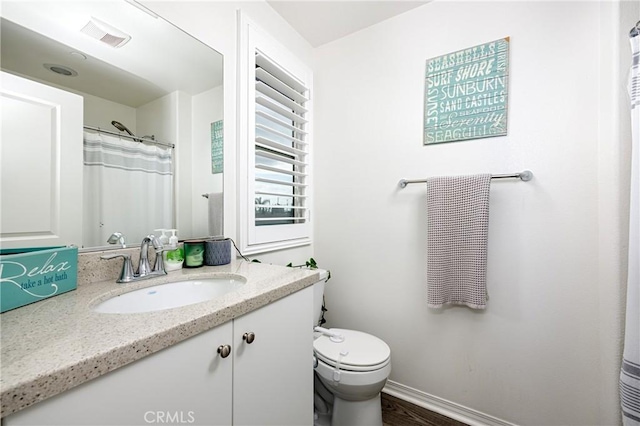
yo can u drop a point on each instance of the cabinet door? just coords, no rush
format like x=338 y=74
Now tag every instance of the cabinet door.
x=40 y=164
x=273 y=376
x=188 y=383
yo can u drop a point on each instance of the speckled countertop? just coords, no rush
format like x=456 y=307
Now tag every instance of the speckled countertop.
x=51 y=346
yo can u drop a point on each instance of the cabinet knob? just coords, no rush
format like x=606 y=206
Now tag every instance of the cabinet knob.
x=249 y=337
x=224 y=350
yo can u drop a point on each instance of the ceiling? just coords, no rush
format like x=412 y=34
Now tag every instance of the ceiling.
x=323 y=21
x=136 y=74
x=158 y=60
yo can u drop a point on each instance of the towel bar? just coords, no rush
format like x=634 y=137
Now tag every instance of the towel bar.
x=525 y=176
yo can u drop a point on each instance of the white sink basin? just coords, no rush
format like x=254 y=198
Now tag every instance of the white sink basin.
x=168 y=296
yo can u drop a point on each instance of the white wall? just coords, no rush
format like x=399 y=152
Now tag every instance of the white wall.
x=184 y=166
x=540 y=353
x=206 y=109
x=215 y=23
x=158 y=118
x=99 y=112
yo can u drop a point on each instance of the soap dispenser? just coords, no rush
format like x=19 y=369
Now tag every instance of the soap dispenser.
x=173 y=253
x=164 y=239
x=173 y=240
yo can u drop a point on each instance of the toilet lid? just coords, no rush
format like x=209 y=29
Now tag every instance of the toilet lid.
x=362 y=349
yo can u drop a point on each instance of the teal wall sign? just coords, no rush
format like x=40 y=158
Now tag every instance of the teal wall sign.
x=32 y=274
x=217 y=147
x=465 y=94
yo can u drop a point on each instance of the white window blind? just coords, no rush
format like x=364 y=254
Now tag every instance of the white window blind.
x=280 y=146
x=275 y=205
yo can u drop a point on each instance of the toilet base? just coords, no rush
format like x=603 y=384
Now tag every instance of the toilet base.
x=321 y=419
x=357 y=413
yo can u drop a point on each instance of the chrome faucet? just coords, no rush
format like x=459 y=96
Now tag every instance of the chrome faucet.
x=144 y=269
x=117 y=238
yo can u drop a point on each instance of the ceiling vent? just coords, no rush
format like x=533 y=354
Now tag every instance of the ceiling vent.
x=104 y=32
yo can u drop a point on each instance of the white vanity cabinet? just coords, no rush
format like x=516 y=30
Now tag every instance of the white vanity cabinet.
x=266 y=382
x=188 y=380
x=273 y=376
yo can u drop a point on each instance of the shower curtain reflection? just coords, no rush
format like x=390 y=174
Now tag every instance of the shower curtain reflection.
x=127 y=188
x=630 y=371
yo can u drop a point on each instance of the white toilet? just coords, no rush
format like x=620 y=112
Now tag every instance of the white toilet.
x=352 y=368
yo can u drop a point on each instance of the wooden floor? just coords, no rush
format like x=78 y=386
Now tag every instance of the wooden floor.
x=396 y=412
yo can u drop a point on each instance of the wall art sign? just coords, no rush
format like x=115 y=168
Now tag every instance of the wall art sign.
x=465 y=94
x=217 y=147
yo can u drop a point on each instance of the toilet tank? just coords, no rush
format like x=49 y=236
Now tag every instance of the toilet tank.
x=318 y=293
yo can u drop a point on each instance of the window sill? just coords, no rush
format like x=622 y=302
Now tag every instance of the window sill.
x=276 y=245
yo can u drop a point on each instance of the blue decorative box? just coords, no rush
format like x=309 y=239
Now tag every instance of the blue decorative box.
x=32 y=274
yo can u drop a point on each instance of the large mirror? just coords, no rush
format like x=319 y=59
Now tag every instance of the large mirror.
x=150 y=135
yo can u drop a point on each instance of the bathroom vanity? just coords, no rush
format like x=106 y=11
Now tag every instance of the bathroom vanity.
x=65 y=364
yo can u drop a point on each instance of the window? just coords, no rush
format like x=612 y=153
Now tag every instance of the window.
x=275 y=207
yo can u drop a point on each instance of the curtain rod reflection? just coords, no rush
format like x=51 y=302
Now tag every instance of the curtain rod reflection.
x=133 y=138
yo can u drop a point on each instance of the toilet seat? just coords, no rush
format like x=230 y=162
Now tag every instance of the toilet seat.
x=357 y=352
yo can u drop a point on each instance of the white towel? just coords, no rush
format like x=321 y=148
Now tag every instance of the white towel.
x=458 y=227
x=215 y=214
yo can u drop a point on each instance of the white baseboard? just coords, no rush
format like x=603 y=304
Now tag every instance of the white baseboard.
x=442 y=406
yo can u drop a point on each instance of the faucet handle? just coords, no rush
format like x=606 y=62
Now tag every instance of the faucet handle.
x=126 y=274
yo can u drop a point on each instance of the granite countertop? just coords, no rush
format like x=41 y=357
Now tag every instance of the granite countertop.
x=53 y=345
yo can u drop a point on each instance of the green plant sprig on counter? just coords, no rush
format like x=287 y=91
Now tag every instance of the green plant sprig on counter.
x=311 y=264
